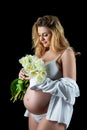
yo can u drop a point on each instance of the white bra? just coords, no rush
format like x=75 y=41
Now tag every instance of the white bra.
x=53 y=70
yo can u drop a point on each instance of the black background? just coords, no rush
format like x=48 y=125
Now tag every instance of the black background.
x=16 y=24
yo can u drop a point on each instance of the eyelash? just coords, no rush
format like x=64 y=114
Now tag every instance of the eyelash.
x=43 y=35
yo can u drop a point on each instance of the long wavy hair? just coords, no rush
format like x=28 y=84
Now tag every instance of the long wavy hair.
x=58 y=40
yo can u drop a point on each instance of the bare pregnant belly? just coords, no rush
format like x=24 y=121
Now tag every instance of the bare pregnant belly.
x=36 y=101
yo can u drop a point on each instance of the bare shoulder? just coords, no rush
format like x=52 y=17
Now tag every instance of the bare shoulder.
x=68 y=61
x=68 y=53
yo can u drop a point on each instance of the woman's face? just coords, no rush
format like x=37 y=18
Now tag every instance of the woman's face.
x=44 y=34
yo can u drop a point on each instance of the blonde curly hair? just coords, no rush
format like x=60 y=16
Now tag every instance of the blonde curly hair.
x=58 y=39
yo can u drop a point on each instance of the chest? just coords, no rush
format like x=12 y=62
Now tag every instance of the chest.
x=49 y=57
x=53 y=70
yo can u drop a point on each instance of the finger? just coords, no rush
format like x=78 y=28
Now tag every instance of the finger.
x=27 y=78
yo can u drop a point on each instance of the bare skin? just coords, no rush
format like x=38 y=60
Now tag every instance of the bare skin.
x=33 y=99
x=37 y=101
x=45 y=124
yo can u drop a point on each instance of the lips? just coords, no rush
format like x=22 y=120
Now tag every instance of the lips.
x=44 y=42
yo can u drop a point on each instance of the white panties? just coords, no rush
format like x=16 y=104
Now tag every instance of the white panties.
x=38 y=117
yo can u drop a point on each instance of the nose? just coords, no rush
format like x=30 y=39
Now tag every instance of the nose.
x=41 y=38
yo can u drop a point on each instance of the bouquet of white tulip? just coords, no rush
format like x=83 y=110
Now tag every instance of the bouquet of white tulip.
x=35 y=68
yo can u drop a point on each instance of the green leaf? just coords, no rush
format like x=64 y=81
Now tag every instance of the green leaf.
x=20 y=81
x=18 y=88
x=13 y=87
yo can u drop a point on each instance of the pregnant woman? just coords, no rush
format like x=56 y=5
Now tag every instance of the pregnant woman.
x=49 y=105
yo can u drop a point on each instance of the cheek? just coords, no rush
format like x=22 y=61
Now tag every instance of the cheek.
x=48 y=39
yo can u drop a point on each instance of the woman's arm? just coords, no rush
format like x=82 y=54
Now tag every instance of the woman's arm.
x=69 y=64
x=66 y=86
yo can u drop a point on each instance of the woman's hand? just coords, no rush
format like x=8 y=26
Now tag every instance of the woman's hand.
x=23 y=75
